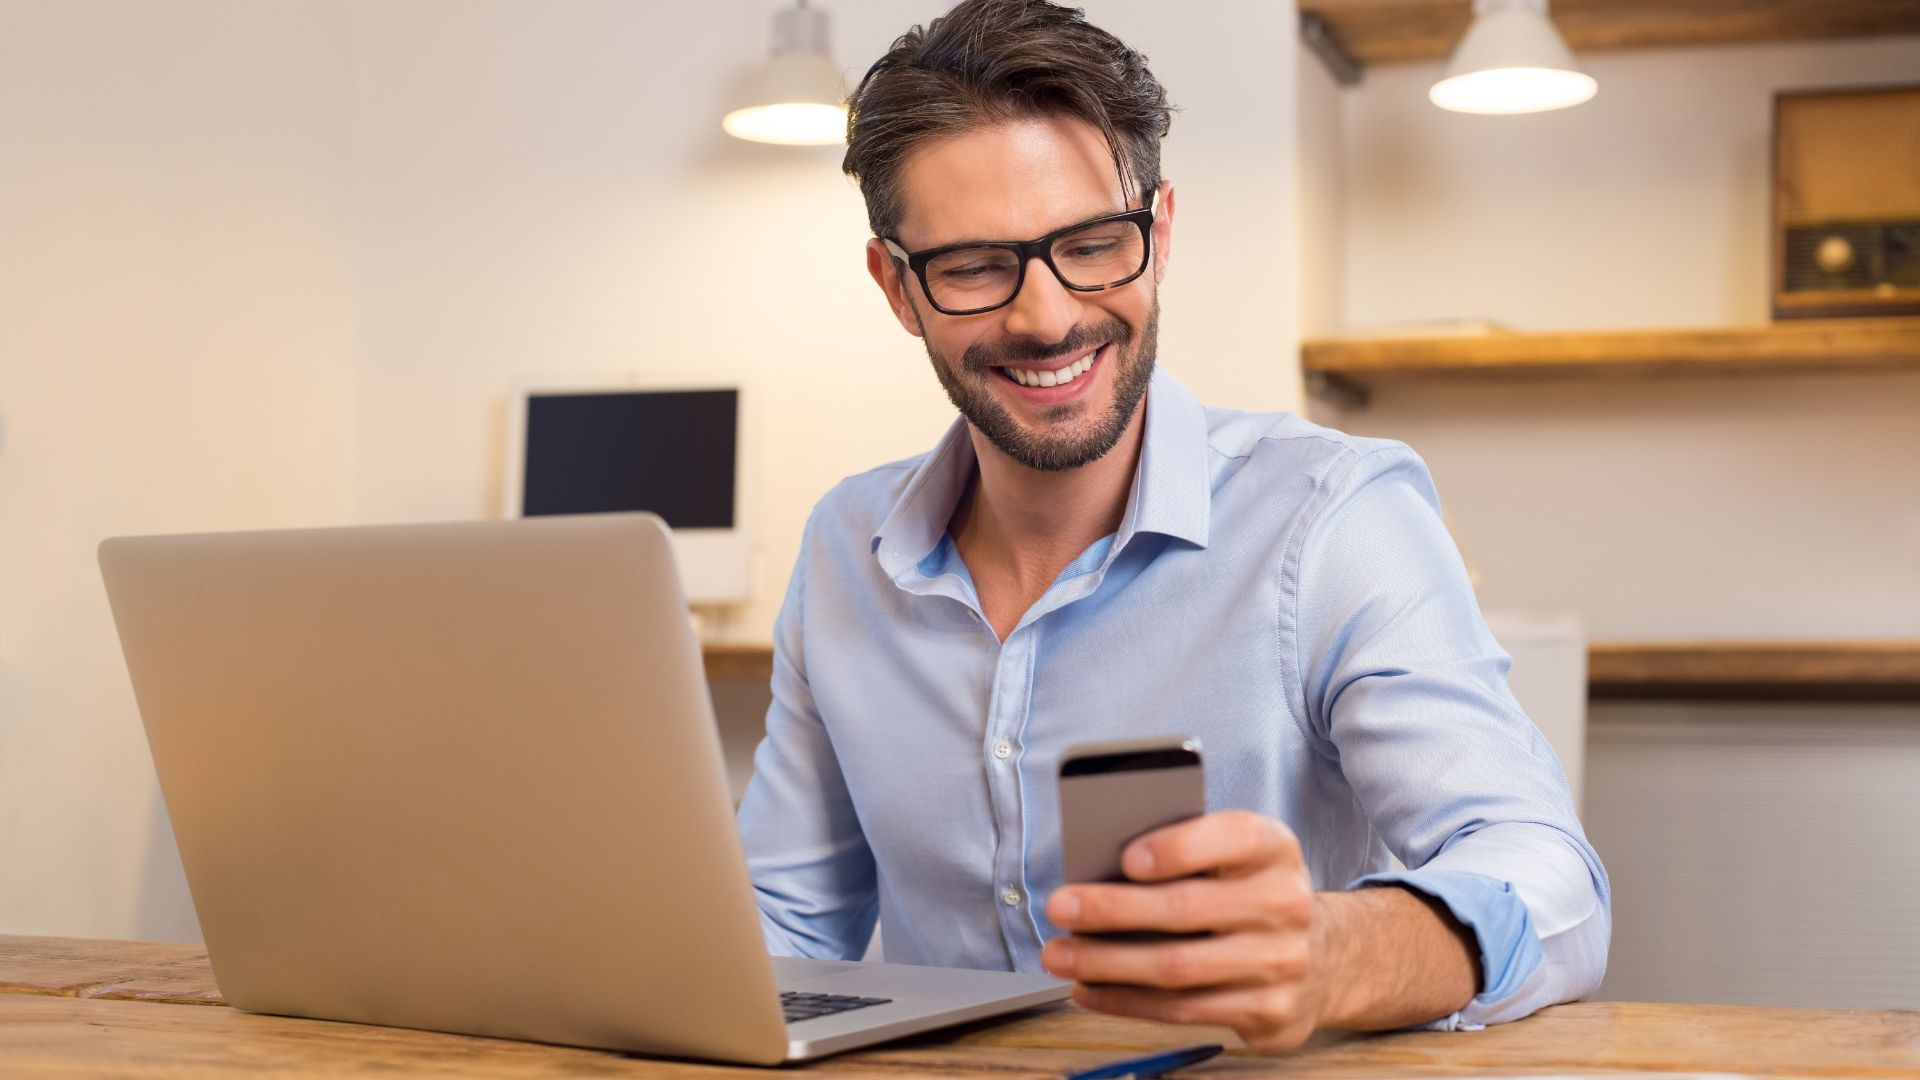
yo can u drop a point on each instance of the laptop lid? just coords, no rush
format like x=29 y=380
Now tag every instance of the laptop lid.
x=456 y=777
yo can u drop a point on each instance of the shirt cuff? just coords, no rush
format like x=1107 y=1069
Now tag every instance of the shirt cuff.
x=1500 y=922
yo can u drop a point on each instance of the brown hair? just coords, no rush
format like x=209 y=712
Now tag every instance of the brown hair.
x=987 y=61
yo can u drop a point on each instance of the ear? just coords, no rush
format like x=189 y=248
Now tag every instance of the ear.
x=1162 y=230
x=894 y=280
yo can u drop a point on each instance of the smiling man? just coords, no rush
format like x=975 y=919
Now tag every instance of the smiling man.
x=1090 y=554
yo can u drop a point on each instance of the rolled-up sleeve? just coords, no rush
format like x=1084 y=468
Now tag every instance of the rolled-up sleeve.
x=813 y=873
x=1401 y=679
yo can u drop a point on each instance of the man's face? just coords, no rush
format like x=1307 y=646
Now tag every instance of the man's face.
x=1015 y=181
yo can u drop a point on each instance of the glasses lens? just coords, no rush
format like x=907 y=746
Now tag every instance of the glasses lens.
x=1100 y=254
x=969 y=278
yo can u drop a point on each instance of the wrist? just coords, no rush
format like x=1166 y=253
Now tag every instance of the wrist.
x=1387 y=958
x=1337 y=987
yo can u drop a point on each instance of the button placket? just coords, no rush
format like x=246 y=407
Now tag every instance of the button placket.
x=1006 y=716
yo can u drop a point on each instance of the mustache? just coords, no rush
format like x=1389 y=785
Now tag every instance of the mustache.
x=981 y=356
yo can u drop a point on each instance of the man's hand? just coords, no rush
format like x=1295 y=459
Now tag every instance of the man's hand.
x=1278 y=960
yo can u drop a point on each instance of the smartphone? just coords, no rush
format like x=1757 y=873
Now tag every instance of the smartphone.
x=1112 y=793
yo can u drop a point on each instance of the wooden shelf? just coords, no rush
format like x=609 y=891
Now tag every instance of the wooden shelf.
x=1718 y=670
x=1733 y=671
x=1342 y=369
x=1394 y=31
x=753 y=663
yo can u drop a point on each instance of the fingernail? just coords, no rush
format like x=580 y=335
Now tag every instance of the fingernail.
x=1139 y=862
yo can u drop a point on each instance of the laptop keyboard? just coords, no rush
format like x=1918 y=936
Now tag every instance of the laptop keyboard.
x=799 y=1006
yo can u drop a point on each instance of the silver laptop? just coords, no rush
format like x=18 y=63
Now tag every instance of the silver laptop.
x=466 y=778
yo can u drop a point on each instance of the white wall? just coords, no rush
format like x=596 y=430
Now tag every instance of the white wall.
x=175 y=354
x=1777 y=507
x=1644 y=207
x=548 y=191
x=1320 y=163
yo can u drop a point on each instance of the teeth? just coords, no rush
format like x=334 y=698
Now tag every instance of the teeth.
x=1056 y=377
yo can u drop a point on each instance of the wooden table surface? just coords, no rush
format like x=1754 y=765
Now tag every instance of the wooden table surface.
x=72 y=1008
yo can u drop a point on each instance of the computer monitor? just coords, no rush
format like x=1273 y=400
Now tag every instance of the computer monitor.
x=585 y=448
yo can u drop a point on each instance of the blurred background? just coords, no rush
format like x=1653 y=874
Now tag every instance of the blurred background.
x=277 y=263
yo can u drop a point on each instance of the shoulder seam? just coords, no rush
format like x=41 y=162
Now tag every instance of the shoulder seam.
x=1343 y=445
x=1293 y=554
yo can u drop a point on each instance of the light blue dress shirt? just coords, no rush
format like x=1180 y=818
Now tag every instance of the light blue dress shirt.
x=1282 y=591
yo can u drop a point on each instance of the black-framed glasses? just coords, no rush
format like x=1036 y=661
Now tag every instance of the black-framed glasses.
x=968 y=279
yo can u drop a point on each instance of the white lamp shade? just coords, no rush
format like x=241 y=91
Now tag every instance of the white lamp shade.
x=1511 y=60
x=788 y=123
x=797 y=100
x=797 y=103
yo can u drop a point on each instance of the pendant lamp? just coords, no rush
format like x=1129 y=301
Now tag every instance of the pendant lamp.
x=798 y=99
x=1511 y=60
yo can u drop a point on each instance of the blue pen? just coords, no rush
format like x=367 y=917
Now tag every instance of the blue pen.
x=1159 y=1064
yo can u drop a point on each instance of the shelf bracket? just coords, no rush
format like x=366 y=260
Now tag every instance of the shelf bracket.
x=1315 y=34
x=1341 y=393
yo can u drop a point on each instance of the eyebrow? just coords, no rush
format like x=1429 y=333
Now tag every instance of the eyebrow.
x=1049 y=232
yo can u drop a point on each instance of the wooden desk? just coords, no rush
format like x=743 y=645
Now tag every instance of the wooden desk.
x=1708 y=670
x=71 y=1008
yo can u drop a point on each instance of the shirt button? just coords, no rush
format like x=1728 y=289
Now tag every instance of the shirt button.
x=1002 y=749
x=1011 y=898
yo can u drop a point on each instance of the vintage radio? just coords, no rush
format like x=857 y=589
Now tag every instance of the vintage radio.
x=1846 y=202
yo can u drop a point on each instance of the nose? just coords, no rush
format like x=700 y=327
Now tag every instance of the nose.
x=1044 y=309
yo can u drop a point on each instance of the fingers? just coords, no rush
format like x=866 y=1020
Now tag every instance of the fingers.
x=1253 y=971
x=1275 y=1019
x=1230 y=841
x=1279 y=900
x=1224 y=960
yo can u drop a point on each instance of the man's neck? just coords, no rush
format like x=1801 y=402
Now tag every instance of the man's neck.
x=1032 y=523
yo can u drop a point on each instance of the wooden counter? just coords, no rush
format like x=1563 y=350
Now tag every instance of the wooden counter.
x=1713 y=670
x=76 y=1009
x=1752 y=670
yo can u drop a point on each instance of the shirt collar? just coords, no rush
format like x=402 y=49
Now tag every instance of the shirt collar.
x=1172 y=489
x=1171 y=494
x=918 y=520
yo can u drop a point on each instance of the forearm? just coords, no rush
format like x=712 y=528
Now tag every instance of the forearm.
x=1390 y=958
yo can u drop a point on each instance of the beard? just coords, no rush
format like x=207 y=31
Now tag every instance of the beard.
x=1061 y=444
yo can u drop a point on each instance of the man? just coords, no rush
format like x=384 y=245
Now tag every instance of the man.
x=1090 y=554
